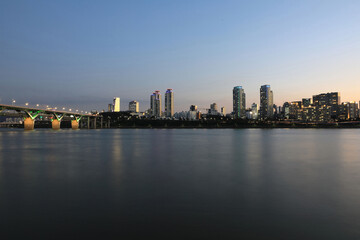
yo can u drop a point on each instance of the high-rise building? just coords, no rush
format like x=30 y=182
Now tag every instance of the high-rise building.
x=239 y=102
x=223 y=111
x=134 y=106
x=110 y=107
x=155 y=104
x=254 y=111
x=213 y=109
x=169 y=103
x=352 y=110
x=327 y=105
x=116 y=104
x=286 y=110
x=295 y=110
x=266 y=102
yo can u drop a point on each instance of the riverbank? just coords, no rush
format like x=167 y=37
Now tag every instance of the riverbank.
x=182 y=124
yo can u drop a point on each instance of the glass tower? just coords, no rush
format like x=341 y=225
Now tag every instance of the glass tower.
x=169 y=103
x=266 y=102
x=239 y=102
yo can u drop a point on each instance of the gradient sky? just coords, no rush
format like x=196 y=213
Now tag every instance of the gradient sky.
x=81 y=54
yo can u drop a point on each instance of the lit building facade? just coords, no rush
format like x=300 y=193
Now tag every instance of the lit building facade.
x=286 y=110
x=254 y=111
x=134 y=106
x=213 y=109
x=266 y=102
x=116 y=104
x=110 y=107
x=327 y=105
x=349 y=111
x=239 y=102
x=306 y=102
x=169 y=103
x=155 y=104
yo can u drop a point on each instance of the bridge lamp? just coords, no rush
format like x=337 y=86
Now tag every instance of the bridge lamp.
x=37 y=105
x=27 y=104
x=63 y=108
x=55 y=108
x=69 y=109
x=13 y=101
x=77 y=110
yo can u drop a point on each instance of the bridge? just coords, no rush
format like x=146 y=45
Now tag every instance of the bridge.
x=30 y=114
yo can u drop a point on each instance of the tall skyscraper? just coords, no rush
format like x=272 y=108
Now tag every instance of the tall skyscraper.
x=239 y=102
x=155 y=104
x=169 y=103
x=266 y=102
x=116 y=104
x=134 y=106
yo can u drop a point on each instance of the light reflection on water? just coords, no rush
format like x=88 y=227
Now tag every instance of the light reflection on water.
x=252 y=183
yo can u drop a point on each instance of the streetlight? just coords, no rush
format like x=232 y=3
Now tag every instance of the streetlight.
x=63 y=108
x=37 y=105
x=27 y=104
x=70 y=109
x=13 y=101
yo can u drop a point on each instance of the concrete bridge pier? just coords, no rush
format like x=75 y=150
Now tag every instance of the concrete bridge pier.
x=55 y=123
x=29 y=123
x=75 y=122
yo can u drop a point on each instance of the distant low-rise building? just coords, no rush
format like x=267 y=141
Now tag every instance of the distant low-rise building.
x=223 y=111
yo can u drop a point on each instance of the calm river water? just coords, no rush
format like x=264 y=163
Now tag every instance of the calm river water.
x=180 y=184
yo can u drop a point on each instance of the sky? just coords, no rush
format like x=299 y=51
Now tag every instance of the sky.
x=82 y=54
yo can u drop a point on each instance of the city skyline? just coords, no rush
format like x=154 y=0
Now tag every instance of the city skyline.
x=120 y=105
x=55 y=54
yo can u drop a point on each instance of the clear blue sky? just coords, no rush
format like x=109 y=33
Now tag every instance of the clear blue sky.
x=81 y=54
